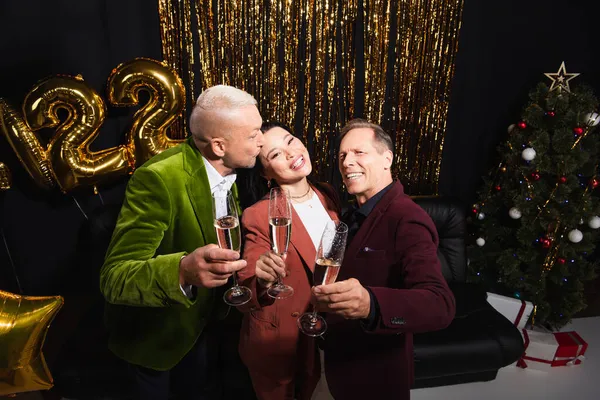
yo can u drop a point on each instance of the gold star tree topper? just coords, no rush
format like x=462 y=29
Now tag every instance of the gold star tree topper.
x=560 y=79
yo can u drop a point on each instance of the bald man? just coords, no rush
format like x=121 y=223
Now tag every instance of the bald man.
x=163 y=266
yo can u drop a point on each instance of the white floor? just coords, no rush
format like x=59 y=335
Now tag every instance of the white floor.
x=579 y=382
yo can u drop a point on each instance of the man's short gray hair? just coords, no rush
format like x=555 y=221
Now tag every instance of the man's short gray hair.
x=218 y=98
x=381 y=139
x=223 y=96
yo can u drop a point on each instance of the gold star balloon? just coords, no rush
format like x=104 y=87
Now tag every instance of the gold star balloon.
x=560 y=80
x=24 y=321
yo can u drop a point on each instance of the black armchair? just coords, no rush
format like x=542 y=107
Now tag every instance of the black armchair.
x=480 y=340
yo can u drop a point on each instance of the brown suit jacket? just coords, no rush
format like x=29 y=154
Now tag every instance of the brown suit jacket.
x=271 y=344
x=394 y=254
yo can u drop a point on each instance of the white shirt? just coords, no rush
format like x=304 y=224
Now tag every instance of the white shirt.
x=217 y=182
x=314 y=217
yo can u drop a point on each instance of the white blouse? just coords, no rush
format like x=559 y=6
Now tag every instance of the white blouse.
x=314 y=217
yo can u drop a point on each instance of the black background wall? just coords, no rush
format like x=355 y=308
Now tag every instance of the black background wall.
x=504 y=49
x=505 y=46
x=42 y=38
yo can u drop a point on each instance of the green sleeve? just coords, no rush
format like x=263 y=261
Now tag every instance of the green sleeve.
x=132 y=273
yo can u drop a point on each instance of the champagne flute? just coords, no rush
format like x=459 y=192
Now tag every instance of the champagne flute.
x=227 y=226
x=280 y=229
x=327 y=266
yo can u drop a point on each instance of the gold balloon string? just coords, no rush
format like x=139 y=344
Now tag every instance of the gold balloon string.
x=96 y=191
x=12 y=263
x=79 y=206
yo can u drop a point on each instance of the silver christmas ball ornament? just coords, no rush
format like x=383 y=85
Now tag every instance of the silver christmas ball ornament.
x=575 y=236
x=514 y=213
x=528 y=154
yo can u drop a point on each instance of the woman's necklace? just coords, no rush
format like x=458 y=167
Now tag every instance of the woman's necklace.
x=301 y=196
x=294 y=198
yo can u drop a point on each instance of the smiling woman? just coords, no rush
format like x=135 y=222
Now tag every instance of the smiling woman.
x=271 y=345
x=285 y=159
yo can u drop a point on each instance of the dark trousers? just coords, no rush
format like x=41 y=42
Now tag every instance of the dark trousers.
x=212 y=370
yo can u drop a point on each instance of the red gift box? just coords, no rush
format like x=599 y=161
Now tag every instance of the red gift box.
x=556 y=349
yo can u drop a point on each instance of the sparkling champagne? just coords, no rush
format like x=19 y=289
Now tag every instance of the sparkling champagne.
x=326 y=271
x=228 y=233
x=281 y=230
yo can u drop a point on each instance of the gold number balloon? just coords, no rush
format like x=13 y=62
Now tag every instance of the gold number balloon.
x=26 y=146
x=24 y=321
x=73 y=162
x=167 y=100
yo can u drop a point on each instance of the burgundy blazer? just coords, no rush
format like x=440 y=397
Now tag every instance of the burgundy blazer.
x=394 y=254
x=271 y=344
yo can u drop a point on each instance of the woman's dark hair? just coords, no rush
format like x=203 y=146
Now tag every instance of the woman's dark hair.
x=251 y=184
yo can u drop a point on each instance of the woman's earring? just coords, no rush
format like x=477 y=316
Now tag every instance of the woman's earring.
x=269 y=183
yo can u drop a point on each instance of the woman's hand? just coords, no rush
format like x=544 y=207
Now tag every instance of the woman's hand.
x=269 y=267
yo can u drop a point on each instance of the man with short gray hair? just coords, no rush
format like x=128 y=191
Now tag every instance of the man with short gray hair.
x=163 y=264
x=390 y=284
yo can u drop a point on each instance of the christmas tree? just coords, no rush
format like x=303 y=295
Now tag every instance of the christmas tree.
x=534 y=227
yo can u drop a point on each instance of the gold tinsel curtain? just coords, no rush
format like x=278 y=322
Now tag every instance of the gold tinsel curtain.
x=315 y=64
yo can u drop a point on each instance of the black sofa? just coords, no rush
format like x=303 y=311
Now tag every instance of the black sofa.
x=480 y=340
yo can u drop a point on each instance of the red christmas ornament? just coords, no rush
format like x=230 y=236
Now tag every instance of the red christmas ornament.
x=594 y=183
x=561 y=260
x=550 y=113
x=562 y=179
x=546 y=243
x=474 y=211
x=497 y=188
x=522 y=125
x=535 y=176
x=578 y=131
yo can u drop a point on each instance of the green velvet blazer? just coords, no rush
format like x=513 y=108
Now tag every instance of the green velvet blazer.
x=167 y=213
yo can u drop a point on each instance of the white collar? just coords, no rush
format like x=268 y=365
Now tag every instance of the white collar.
x=215 y=180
